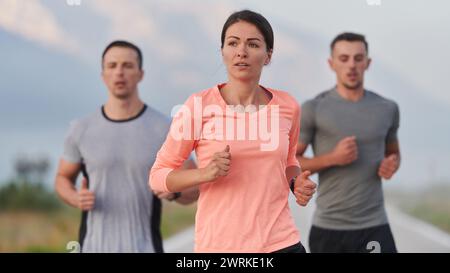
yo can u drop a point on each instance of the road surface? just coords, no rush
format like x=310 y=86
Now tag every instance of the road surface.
x=411 y=235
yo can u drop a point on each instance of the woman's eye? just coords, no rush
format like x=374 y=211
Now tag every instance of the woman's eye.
x=232 y=43
x=253 y=45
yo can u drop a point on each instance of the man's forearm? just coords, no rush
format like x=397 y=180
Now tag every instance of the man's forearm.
x=317 y=163
x=66 y=190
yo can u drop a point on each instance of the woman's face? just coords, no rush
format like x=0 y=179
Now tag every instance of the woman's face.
x=244 y=52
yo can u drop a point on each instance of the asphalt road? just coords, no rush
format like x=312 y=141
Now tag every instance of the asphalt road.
x=411 y=235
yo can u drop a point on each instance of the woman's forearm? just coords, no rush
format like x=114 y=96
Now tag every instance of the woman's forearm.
x=182 y=179
x=291 y=172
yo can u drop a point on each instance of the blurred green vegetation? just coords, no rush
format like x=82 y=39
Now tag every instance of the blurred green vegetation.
x=17 y=195
x=431 y=204
x=34 y=219
x=176 y=217
x=38 y=231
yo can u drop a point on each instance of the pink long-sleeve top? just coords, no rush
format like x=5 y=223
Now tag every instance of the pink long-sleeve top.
x=247 y=210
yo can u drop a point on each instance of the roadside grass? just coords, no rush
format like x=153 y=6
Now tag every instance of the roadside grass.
x=431 y=205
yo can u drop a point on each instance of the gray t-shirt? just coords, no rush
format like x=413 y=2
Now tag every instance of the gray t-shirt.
x=117 y=157
x=350 y=197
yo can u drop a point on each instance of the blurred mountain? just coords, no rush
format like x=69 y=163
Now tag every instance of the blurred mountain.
x=43 y=88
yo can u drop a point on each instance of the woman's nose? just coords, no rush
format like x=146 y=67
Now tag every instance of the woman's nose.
x=242 y=52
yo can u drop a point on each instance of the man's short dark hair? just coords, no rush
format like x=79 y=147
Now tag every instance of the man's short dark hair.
x=125 y=44
x=350 y=37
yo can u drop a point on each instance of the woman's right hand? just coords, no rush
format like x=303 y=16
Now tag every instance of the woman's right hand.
x=218 y=166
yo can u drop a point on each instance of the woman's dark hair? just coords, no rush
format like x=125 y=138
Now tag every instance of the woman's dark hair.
x=253 y=18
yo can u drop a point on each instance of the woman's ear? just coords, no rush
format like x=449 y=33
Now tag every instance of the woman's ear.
x=269 y=57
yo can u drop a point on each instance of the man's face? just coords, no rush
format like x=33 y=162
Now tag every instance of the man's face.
x=121 y=72
x=349 y=60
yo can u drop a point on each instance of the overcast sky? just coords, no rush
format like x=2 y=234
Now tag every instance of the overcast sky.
x=410 y=37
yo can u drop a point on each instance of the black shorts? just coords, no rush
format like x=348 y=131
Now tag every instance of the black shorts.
x=377 y=239
x=296 y=248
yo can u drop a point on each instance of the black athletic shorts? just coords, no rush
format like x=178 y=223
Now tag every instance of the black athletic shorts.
x=377 y=239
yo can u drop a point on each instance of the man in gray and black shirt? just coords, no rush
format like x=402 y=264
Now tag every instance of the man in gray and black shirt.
x=353 y=133
x=115 y=148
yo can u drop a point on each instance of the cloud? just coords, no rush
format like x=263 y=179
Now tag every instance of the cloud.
x=211 y=15
x=33 y=21
x=134 y=21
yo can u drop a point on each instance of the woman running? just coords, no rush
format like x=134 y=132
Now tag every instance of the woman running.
x=245 y=138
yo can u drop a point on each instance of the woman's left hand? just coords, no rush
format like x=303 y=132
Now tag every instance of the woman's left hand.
x=304 y=188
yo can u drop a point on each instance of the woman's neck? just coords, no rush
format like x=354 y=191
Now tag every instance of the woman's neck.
x=244 y=93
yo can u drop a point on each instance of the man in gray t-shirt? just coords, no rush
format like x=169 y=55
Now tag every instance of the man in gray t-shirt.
x=353 y=133
x=114 y=148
